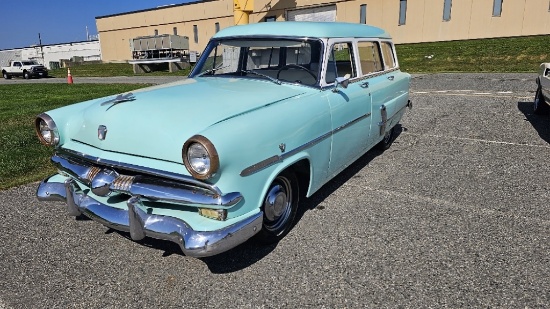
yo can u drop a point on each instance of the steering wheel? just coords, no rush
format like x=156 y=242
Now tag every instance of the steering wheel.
x=296 y=66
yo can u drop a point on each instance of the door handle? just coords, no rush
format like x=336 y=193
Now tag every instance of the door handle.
x=365 y=85
x=391 y=77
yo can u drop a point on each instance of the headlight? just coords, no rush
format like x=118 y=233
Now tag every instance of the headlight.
x=200 y=157
x=46 y=130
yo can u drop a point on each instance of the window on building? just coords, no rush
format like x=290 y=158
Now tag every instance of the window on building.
x=363 y=14
x=196 y=33
x=217 y=27
x=369 y=57
x=156 y=32
x=175 y=30
x=497 y=8
x=402 y=12
x=447 y=10
x=269 y=18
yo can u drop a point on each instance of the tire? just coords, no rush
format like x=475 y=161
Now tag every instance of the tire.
x=389 y=137
x=279 y=207
x=26 y=75
x=539 y=105
x=6 y=75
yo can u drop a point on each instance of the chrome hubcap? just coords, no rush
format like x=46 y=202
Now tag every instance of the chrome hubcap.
x=277 y=204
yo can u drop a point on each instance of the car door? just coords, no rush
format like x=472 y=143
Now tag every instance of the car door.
x=17 y=68
x=390 y=96
x=350 y=106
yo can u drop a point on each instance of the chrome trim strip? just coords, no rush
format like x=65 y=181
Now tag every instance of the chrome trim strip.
x=140 y=224
x=254 y=168
x=138 y=169
x=149 y=188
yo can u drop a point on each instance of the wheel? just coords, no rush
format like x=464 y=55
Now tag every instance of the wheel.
x=387 y=141
x=539 y=105
x=296 y=66
x=6 y=75
x=279 y=207
x=26 y=75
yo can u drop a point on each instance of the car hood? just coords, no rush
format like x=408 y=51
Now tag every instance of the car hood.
x=155 y=122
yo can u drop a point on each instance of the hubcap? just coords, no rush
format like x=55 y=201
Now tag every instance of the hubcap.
x=278 y=204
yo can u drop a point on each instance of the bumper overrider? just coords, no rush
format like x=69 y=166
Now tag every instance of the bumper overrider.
x=104 y=180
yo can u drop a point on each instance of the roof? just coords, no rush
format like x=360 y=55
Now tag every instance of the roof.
x=156 y=8
x=304 y=29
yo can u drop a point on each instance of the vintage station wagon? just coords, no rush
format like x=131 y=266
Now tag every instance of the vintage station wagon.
x=270 y=113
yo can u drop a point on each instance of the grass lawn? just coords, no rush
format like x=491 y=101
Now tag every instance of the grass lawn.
x=22 y=158
x=500 y=55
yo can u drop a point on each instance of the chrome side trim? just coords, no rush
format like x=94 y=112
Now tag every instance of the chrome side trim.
x=137 y=169
x=141 y=224
x=149 y=188
x=254 y=168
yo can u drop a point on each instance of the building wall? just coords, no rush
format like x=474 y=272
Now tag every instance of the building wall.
x=88 y=50
x=470 y=19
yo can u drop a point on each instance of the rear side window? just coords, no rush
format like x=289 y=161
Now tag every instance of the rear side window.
x=340 y=62
x=370 y=59
x=389 y=57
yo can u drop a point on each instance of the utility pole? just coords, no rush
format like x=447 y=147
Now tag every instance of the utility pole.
x=41 y=49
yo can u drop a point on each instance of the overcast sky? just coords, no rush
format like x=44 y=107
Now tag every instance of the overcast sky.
x=60 y=21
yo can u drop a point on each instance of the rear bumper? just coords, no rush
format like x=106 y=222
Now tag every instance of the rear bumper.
x=140 y=224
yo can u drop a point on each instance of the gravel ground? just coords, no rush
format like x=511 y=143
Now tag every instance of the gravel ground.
x=454 y=214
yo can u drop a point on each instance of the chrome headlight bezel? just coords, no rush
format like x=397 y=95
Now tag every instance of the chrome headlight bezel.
x=210 y=151
x=44 y=123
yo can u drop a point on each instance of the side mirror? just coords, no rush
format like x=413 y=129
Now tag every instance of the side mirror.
x=341 y=81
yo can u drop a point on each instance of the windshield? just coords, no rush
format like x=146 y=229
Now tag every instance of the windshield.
x=279 y=60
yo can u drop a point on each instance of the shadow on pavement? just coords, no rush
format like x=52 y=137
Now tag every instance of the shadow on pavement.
x=541 y=123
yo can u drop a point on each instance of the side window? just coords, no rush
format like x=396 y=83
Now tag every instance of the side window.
x=17 y=64
x=369 y=57
x=389 y=58
x=340 y=62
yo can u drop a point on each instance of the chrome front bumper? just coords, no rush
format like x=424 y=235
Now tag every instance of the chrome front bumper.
x=141 y=224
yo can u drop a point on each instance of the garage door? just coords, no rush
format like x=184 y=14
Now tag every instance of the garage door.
x=320 y=13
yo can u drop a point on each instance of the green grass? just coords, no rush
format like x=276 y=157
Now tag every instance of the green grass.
x=111 y=69
x=500 y=55
x=22 y=158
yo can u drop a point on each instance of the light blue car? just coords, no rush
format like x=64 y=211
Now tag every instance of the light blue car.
x=270 y=113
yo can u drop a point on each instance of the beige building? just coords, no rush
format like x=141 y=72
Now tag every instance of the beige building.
x=408 y=21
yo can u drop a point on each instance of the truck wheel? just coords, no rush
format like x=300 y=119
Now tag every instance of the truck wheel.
x=387 y=141
x=26 y=75
x=539 y=105
x=279 y=207
x=6 y=75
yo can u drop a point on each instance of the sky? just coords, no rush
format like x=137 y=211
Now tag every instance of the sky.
x=60 y=21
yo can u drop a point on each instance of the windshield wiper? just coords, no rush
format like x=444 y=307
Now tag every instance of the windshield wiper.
x=276 y=81
x=212 y=70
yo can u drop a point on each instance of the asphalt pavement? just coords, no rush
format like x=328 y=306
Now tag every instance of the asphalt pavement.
x=454 y=214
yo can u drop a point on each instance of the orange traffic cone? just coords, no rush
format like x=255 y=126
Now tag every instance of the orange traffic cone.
x=69 y=76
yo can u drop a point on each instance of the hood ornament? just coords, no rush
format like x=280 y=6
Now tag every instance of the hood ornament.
x=121 y=98
x=102 y=132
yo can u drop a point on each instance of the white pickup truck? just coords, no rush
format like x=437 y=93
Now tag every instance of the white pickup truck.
x=25 y=68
